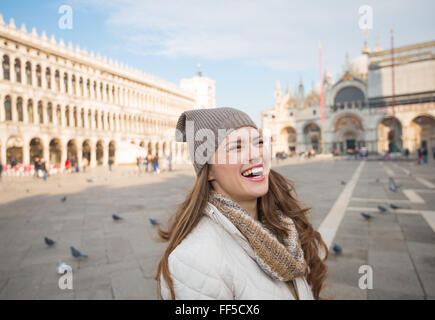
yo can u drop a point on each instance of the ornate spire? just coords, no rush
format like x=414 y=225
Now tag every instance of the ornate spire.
x=378 y=46
x=289 y=90
x=365 y=49
x=278 y=90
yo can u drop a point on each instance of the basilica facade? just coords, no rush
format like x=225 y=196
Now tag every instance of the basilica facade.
x=363 y=107
x=62 y=103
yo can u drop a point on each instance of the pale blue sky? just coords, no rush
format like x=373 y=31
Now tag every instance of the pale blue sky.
x=245 y=45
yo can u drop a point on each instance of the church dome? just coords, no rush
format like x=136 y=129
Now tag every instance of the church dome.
x=359 y=66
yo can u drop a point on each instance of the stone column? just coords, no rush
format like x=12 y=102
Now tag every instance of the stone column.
x=64 y=153
x=105 y=153
x=80 y=155
x=2 y=107
x=13 y=108
x=46 y=152
x=62 y=115
x=26 y=152
x=93 y=161
x=3 y=151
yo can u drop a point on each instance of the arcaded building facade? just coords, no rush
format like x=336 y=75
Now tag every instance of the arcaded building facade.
x=60 y=102
x=360 y=109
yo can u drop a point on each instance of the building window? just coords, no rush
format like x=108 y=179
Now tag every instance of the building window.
x=50 y=112
x=59 y=115
x=30 y=111
x=8 y=109
x=65 y=82
x=48 y=77
x=114 y=123
x=81 y=86
x=89 y=119
x=6 y=68
x=82 y=118
x=28 y=73
x=75 y=117
x=102 y=121
x=314 y=112
x=95 y=90
x=73 y=83
x=107 y=93
x=40 y=113
x=96 y=120
x=101 y=91
x=38 y=76
x=88 y=87
x=57 y=80
x=20 y=109
x=18 y=70
x=67 y=116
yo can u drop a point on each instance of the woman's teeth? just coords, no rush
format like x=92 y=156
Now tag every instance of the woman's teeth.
x=254 y=171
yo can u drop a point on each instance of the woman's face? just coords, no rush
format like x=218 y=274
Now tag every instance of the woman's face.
x=240 y=169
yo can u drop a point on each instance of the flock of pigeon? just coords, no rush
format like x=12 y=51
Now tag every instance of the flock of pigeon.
x=76 y=253
x=337 y=249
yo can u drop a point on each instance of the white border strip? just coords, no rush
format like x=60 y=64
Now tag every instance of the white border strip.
x=413 y=196
x=425 y=182
x=328 y=227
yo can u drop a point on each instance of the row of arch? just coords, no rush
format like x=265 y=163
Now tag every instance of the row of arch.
x=81 y=86
x=72 y=116
x=56 y=151
x=349 y=134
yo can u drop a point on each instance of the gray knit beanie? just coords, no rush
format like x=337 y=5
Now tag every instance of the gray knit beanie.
x=206 y=128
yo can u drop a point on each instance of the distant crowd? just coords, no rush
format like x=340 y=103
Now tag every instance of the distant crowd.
x=151 y=163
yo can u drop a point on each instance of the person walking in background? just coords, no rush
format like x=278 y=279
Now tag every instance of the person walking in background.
x=425 y=155
x=433 y=152
x=157 y=167
x=146 y=162
x=36 y=166
x=43 y=169
x=420 y=155
x=1 y=169
x=153 y=162
x=85 y=164
x=110 y=163
x=138 y=164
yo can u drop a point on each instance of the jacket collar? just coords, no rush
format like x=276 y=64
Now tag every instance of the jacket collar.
x=214 y=214
x=301 y=286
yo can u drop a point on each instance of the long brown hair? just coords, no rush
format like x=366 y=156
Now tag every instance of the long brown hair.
x=281 y=195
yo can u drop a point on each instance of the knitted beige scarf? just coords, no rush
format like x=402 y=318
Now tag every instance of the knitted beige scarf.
x=282 y=261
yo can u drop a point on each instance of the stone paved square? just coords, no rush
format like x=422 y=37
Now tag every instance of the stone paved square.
x=399 y=244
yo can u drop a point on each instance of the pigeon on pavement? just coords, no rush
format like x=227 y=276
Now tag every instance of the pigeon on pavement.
x=382 y=209
x=154 y=222
x=337 y=249
x=366 y=215
x=77 y=254
x=116 y=217
x=392 y=184
x=49 y=242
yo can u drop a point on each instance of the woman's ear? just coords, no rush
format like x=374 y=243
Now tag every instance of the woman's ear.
x=211 y=174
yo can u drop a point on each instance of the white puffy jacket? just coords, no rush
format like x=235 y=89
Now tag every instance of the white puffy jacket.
x=215 y=261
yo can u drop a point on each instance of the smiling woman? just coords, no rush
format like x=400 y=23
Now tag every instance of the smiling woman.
x=240 y=233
